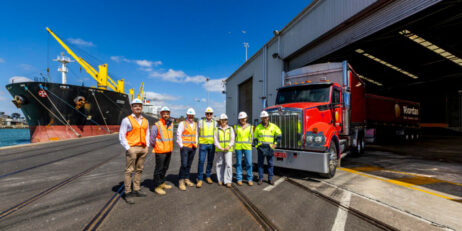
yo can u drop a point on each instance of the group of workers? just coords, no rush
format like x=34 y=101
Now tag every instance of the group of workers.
x=211 y=137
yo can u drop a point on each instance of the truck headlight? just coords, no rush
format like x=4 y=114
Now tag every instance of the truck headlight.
x=318 y=139
x=309 y=138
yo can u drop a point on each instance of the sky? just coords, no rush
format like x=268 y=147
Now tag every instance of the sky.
x=171 y=46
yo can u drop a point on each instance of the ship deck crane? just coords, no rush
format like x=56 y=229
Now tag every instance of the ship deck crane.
x=102 y=78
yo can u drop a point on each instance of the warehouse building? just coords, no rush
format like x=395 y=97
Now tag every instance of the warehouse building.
x=408 y=49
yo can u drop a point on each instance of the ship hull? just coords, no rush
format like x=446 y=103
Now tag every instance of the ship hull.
x=62 y=111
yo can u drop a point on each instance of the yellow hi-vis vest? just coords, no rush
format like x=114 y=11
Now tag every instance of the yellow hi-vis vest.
x=267 y=135
x=224 y=138
x=244 y=137
x=206 y=133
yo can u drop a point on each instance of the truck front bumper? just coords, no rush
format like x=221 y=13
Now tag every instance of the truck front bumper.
x=301 y=160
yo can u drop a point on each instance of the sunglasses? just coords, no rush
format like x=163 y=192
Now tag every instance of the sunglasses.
x=209 y=113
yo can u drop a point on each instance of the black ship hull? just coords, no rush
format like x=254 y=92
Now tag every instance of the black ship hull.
x=61 y=111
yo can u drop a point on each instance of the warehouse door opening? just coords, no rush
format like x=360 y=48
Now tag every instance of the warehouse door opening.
x=245 y=98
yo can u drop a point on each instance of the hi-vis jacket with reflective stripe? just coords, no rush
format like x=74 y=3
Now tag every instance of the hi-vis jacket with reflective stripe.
x=164 y=138
x=206 y=132
x=137 y=136
x=188 y=137
x=267 y=135
x=244 y=137
x=224 y=138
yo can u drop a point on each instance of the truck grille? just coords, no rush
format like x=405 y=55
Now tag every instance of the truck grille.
x=290 y=123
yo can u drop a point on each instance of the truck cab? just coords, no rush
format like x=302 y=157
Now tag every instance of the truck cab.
x=321 y=112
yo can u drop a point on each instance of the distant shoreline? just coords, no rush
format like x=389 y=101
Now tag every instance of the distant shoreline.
x=15 y=127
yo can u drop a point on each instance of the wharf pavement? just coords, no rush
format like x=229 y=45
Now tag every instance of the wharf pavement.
x=74 y=185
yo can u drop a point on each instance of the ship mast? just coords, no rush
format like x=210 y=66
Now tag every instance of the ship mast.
x=63 y=69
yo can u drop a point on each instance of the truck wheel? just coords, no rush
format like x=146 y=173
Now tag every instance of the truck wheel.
x=332 y=162
x=359 y=149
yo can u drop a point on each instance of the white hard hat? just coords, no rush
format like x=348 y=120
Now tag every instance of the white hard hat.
x=242 y=115
x=190 y=111
x=136 y=100
x=165 y=108
x=208 y=110
x=264 y=114
x=223 y=116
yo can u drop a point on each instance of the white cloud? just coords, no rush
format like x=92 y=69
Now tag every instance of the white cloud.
x=2 y=60
x=243 y=31
x=214 y=85
x=19 y=79
x=80 y=42
x=157 y=97
x=26 y=67
x=146 y=65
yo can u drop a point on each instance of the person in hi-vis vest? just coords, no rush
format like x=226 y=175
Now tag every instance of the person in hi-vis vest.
x=224 y=142
x=162 y=143
x=187 y=140
x=267 y=136
x=207 y=129
x=134 y=137
x=243 y=147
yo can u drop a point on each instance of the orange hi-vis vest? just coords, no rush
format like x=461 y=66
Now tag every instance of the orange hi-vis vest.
x=188 y=138
x=137 y=136
x=164 y=138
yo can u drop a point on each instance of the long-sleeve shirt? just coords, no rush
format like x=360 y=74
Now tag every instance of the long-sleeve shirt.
x=231 y=134
x=154 y=131
x=126 y=126
x=180 y=131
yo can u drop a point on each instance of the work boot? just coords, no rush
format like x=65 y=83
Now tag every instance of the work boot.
x=209 y=180
x=165 y=186
x=239 y=182
x=271 y=182
x=219 y=183
x=260 y=182
x=139 y=193
x=228 y=185
x=129 y=198
x=159 y=190
x=250 y=183
x=189 y=183
x=181 y=185
x=199 y=184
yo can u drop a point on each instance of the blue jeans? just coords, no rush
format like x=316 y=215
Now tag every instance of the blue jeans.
x=209 y=151
x=187 y=157
x=248 y=164
x=261 y=159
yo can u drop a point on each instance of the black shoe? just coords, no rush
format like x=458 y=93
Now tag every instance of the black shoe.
x=139 y=193
x=129 y=198
x=260 y=182
x=271 y=182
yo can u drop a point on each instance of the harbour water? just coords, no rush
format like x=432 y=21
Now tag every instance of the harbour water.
x=14 y=137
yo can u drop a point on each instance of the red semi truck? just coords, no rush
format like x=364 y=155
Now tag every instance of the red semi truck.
x=324 y=114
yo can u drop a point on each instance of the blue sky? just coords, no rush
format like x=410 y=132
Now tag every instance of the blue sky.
x=170 y=45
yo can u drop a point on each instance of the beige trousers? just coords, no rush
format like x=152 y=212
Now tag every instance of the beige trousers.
x=135 y=157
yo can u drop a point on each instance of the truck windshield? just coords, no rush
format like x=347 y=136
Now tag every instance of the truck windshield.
x=303 y=94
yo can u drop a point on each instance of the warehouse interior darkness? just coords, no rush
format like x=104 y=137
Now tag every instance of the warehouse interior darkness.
x=418 y=59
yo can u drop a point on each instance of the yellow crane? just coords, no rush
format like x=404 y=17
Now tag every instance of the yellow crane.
x=102 y=78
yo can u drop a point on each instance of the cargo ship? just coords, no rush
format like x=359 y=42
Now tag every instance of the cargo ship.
x=58 y=111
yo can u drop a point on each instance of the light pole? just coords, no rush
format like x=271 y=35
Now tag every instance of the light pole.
x=246 y=45
x=206 y=81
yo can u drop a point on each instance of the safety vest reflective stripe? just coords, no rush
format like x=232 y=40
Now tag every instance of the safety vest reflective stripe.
x=206 y=132
x=164 y=138
x=137 y=136
x=267 y=135
x=224 y=137
x=188 y=137
x=243 y=137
